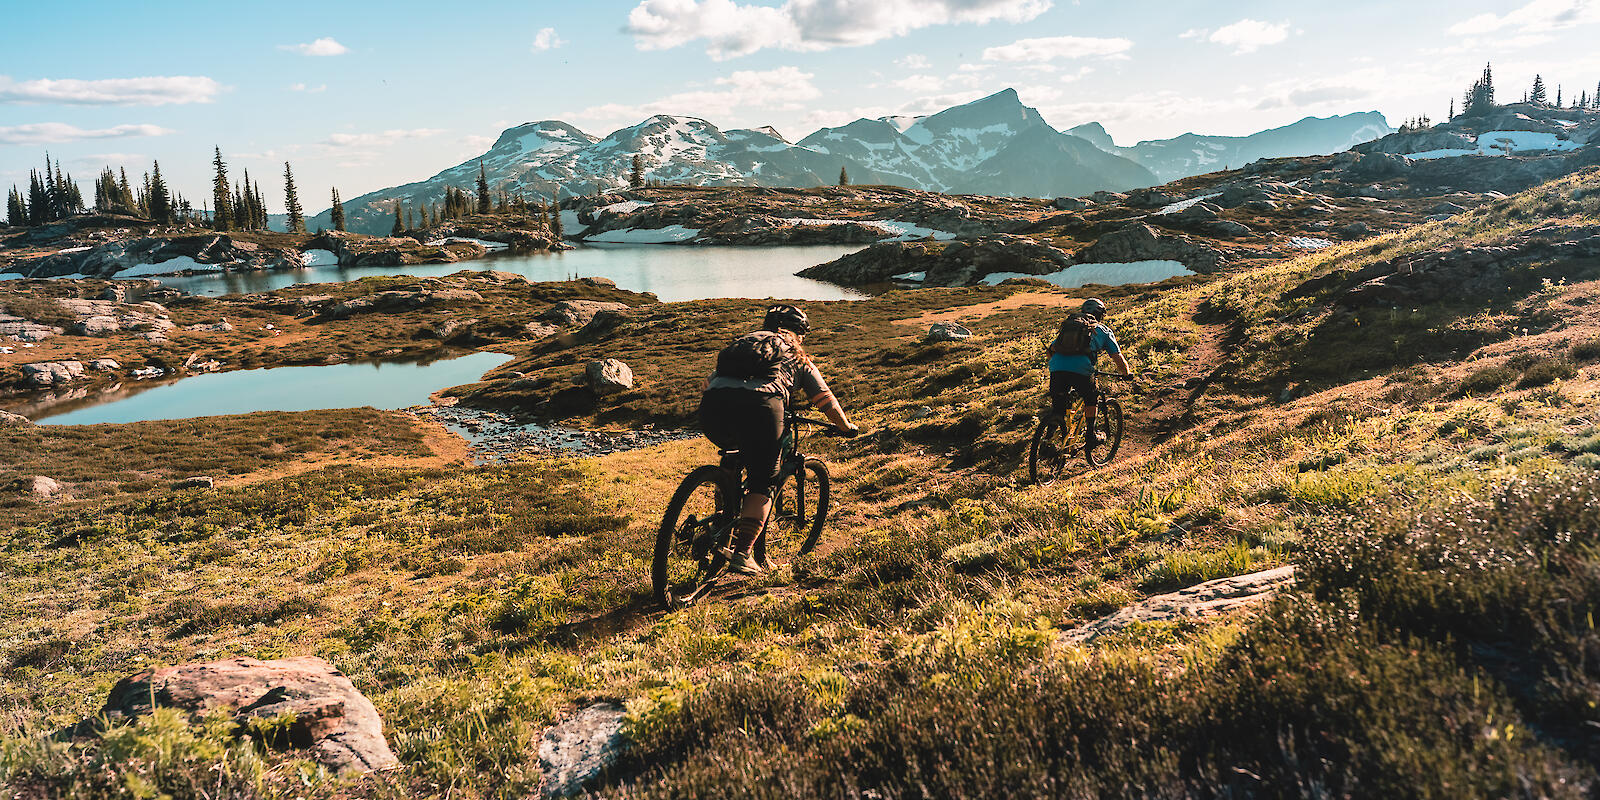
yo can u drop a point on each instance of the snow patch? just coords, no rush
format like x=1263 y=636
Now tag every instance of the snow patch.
x=672 y=234
x=1183 y=204
x=910 y=277
x=485 y=244
x=625 y=207
x=179 y=264
x=1109 y=274
x=570 y=225
x=319 y=258
x=1309 y=243
x=1499 y=143
x=901 y=231
x=73 y=250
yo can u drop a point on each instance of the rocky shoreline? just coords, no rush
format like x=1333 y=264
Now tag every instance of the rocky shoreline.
x=497 y=437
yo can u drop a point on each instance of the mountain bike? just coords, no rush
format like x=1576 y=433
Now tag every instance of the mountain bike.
x=1060 y=437
x=699 y=521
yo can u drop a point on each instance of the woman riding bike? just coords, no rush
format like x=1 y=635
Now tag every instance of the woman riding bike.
x=743 y=409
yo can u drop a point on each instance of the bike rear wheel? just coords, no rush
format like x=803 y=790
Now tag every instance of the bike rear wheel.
x=799 y=510
x=698 y=522
x=1107 y=423
x=1053 y=443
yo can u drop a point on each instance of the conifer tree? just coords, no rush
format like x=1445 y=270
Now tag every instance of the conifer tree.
x=291 y=202
x=261 y=208
x=1479 y=99
x=124 y=192
x=160 y=201
x=38 y=200
x=221 y=202
x=337 y=212
x=1537 y=94
x=555 y=220
x=844 y=177
x=636 y=175
x=1452 y=110
x=397 y=229
x=483 y=190
x=16 y=208
x=1558 y=96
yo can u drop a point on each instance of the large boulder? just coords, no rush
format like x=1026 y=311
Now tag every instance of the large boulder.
x=1377 y=166
x=1140 y=242
x=337 y=724
x=106 y=317
x=608 y=376
x=10 y=420
x=948 y=332
x=24 y=330
x=577 y=313
x=40 y=486
x=1208 y=599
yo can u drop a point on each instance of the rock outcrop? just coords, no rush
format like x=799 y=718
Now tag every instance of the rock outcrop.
x=580 y=749
x=355 y=250
x=1204 y=600
x=948 y=332
x=46 y=374
x=1140 y=242
x=577 y=313
x=337 y=724
x=959 y=263
x=178 y=252
x=25 y=330
x=397 y=300
x=10 y=420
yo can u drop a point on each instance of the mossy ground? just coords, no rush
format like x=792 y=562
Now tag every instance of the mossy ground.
x=1439 y=643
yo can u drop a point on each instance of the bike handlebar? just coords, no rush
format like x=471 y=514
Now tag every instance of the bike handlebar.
x=1117 y=375
x=797 y=419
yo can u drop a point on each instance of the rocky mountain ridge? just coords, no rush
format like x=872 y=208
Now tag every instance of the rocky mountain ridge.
x=1195 y=154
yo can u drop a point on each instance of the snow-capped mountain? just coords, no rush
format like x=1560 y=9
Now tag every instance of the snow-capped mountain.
x=1195 y=154
x=995 y=146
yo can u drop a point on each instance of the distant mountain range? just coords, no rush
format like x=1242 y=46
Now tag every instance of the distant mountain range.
x=995 y=146
x=1194 y=154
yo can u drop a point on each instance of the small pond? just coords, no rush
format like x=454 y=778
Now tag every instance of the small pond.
x=379 y=385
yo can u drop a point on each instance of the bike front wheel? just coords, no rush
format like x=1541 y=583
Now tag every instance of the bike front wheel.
x=799 y=509
x=1107 y=423
x=698 y=522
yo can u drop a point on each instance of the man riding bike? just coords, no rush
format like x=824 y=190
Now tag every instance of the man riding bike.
x=743 y=409
x=1081 y=339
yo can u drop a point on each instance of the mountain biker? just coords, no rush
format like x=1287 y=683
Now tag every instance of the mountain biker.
x=1081 y=339
x=743 y=409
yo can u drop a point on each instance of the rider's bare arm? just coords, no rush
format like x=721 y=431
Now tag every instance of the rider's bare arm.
x=830 y=408
x=1121 y=362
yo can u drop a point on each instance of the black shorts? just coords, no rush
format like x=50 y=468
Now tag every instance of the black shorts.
x=750 y=422
x=1063 y=382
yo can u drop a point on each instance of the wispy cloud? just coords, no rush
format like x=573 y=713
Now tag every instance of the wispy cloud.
x=58 y=132
x=732 y=29
x=1054 y=47
x=379 y=139
x=1244 y=36
x=782 y=88
x=324 y=46
x=300 y=87
x=546 y=39
x=913 y=61
x=149 y=91
x=1536 y=17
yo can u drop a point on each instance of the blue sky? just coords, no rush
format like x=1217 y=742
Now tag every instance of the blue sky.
x=362 y=95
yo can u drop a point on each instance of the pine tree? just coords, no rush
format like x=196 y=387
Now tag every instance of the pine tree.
x=844 y=177
x=124 y=192
x=555 y=220
x=291 y=202
x=397 y=229
x=261 y=208
x=1479 y=99
x=160 y=201
x=1452 y=110
x=636 y=175
x=337 y=212
x=1537 y=94
x=38 y=200
x=16 y=208
x=483 y=190
x=1558 y=96
x=221 y=202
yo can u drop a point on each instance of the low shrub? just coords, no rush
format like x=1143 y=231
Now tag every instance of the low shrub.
x=1487 y=379
x=1547 y=371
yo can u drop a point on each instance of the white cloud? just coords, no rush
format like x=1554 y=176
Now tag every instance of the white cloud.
x=324 y=46
x=732 y=29
x=58 y=132
x=149 y=91
x=102 y=159
x=913 y=61
x=782 y=88
x=1074 y=76
x=1051 y=48
x=1246 y=35
x=382 y=138
x=1537 y=16
x=546 y=39
x=300 y=87
x=919 y=83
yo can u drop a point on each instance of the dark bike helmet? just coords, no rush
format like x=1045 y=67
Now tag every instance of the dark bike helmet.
x=786 y=318
x=1094 y=307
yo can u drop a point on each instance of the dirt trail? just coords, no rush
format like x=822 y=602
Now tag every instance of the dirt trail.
x=970 y=313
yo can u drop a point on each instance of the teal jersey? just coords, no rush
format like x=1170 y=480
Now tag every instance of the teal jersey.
x=1101 y=341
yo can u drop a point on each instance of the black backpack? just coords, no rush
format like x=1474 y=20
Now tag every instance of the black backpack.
x=1077 y=331
x=755 y=357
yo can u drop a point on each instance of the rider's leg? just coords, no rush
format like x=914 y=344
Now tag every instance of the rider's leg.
x=1088 y=424
x=751 y=516
x=1059 y=388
